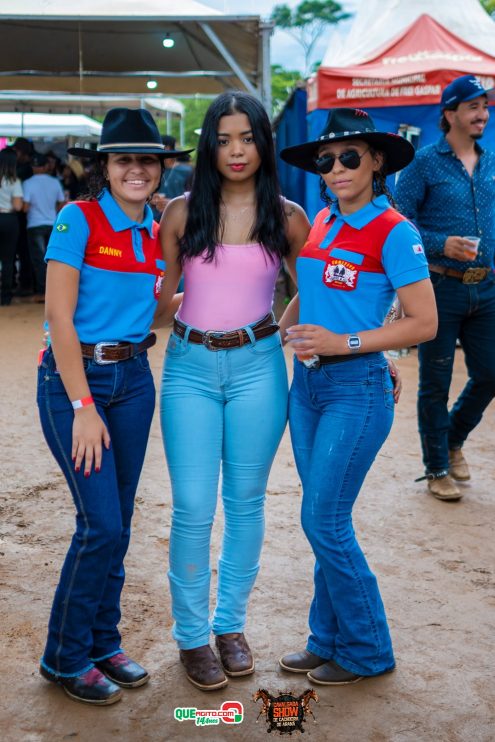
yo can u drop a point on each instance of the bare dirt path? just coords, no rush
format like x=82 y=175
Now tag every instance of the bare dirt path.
x=435 y=562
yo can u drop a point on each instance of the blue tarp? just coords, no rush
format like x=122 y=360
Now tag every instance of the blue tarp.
x=291 y=128
x=305 y=190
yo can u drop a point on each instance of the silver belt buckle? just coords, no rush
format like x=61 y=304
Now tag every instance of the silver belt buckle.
x=207 y=336
x=100 y=349
x=313 y=362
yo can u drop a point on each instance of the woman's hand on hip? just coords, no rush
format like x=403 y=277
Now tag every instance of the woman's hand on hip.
x=89 y=432
x=311 y=340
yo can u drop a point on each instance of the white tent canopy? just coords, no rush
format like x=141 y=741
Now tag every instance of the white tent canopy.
x=38 y=125
x=378 y=21
x=26 y=100
x=116 y=47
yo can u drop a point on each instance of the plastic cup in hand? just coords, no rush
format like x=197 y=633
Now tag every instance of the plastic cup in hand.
x=302 y=355
x=305 y=357
x=471 y=251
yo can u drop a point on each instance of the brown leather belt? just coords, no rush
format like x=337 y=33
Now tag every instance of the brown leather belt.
x=112 y=352
x=217 y=340
x=471 y=275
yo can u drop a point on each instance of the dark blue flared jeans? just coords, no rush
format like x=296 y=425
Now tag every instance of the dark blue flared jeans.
x=86 y=608
x=339 y=417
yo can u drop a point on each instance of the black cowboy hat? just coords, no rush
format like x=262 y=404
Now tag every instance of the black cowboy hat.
x=130 y=130
x=352 y=123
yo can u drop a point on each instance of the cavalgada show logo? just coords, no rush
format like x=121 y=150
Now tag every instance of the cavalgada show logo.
x=286 y=712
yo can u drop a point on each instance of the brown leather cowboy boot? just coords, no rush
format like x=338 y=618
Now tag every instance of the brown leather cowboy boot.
x=202 y=668
x=235 y=655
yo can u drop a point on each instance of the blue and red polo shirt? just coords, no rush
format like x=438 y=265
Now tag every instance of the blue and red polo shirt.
x=121 y=268
x=351 y=266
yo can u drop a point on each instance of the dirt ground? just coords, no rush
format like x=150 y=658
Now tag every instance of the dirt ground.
x=435 y=562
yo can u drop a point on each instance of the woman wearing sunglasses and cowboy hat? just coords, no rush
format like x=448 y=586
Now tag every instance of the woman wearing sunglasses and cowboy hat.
x=359 y=253
x=96 y=395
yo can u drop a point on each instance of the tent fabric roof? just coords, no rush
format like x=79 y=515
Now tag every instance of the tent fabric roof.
x=378 y=21
x=92 y=105
x=409 y=68
x=116 y=47
x=423 y=47
x=109 y=9
x=47 y=125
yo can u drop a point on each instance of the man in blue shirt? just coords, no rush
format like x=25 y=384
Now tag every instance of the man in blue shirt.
x=449 y=192
x=43 y=197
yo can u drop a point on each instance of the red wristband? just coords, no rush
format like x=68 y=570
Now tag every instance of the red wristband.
x=85 y=402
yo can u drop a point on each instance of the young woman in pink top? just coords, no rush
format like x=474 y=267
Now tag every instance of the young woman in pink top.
x=224 y=391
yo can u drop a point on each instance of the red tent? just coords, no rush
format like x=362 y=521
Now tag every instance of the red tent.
x=410 y=69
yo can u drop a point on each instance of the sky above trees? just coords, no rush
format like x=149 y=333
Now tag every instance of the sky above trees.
x=284 y=51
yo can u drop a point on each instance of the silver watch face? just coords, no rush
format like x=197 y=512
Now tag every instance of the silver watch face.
x=354 y=342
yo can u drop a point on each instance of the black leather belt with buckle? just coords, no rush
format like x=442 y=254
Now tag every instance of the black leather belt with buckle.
x=317 y=361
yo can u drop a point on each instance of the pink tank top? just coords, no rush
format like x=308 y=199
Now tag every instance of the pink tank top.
x=235 y=289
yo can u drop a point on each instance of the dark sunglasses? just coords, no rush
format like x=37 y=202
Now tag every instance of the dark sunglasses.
x=350 y=160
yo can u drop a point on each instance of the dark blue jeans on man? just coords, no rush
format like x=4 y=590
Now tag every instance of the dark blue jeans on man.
x=37 y=238
x=86 y=608
x=467 y=312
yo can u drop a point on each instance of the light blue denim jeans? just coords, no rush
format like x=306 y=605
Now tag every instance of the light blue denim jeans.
x=220 y=411
x=339 y=416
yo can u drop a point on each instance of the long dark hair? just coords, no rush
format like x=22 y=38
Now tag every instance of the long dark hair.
x=8 y=162
x=203 y=229
x=96 y=181
x=379 y=184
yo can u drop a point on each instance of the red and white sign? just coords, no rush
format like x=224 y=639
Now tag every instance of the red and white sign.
x=412 y=69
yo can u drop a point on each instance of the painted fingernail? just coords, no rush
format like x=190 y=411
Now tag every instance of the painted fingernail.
x=78 y=468
x=73 y=458
x=86 y=473
x=97 y=469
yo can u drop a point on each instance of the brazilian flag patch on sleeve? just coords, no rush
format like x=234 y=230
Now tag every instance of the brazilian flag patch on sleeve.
x=62 y=227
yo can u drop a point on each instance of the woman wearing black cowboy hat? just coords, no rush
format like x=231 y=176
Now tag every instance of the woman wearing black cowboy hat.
x=96 y=395
x=360 y=251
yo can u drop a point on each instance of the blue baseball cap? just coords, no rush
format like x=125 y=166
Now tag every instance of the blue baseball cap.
x=462 y=89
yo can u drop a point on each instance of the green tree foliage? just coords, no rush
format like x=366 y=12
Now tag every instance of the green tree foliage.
x=489 y=6
x=306 y=22
x=283 y=83
x=194 y=113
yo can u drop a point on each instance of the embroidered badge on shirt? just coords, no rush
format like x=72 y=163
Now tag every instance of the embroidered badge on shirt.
x=418 y=248
x=62 y=227
x=339 y=274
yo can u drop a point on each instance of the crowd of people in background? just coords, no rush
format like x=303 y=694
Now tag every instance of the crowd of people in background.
x=33 y=188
